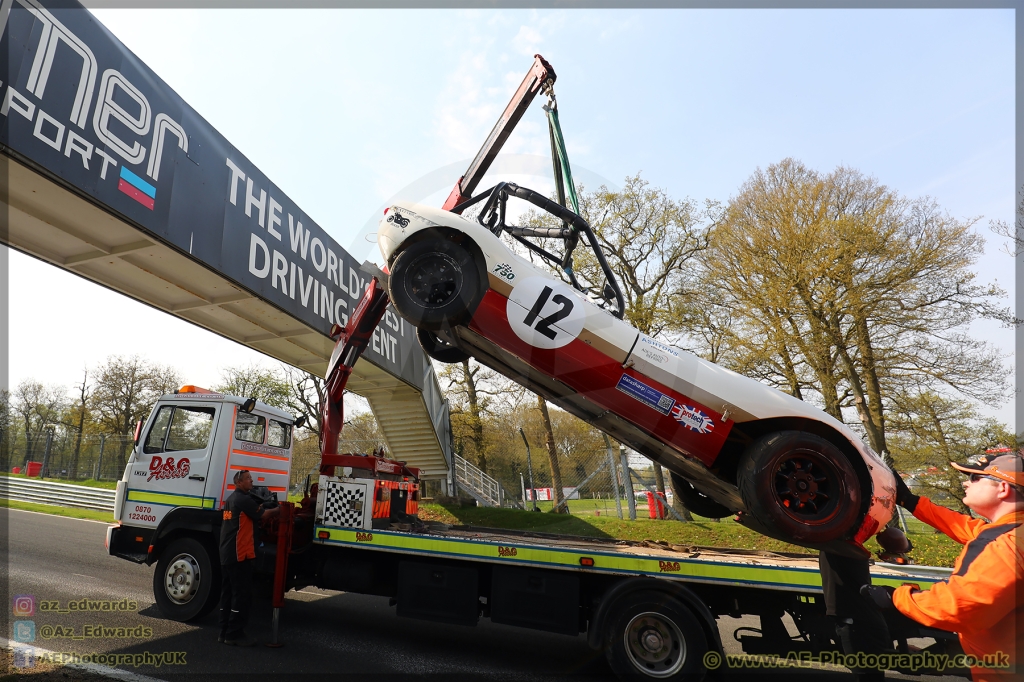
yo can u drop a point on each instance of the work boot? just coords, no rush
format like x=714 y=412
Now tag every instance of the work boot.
x=241 y=639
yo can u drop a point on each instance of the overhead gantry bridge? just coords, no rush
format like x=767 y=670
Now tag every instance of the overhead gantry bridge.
x=107 y=173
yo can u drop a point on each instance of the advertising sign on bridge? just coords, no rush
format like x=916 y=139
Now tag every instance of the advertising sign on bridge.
x=81 y=108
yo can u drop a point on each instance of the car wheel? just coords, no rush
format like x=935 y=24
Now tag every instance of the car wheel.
x=801 y=485
x=185 y=586
x=435 y=283
x=438 y=349
x=696 y=501
x=652 y=636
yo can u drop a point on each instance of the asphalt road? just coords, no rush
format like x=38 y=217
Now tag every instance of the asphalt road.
x=59 y=561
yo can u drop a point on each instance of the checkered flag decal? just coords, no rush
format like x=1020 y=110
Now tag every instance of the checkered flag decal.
x=343 y=506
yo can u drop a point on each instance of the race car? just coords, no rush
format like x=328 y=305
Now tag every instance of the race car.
x=732 y=444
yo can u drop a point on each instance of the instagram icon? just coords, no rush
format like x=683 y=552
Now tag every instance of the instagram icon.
x=24 y=605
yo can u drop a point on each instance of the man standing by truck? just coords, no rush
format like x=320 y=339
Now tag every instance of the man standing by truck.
x=983 y=600
x=237 y=555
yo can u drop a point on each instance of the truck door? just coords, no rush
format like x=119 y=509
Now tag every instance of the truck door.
x=172 y=463
x=261 y=444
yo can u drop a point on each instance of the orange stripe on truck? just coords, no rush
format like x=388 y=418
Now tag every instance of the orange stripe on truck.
x=271 y=488
x=239 y=467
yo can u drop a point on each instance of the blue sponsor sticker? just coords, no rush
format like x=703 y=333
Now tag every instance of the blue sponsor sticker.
x=648 y=395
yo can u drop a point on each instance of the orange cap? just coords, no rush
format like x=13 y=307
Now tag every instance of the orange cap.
x=1009 y=468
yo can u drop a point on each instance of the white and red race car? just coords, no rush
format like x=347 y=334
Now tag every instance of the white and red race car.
x=790 y=470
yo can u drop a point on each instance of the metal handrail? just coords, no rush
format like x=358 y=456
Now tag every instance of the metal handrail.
x=485 y=488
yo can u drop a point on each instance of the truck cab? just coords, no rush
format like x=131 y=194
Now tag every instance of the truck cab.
x=178 y=477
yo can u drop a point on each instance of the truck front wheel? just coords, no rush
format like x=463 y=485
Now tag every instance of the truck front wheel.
x=184 y=583
x=652 y=636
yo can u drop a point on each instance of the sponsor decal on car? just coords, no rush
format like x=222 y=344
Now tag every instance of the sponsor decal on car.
x=659 y=345
x=648 y=395
x=397 y=218
x=504 y=270
x=693 y=419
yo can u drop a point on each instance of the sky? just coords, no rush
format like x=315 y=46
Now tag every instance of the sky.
x=347 y=109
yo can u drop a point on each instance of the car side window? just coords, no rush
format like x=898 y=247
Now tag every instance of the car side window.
x=158 y=432
x=250 y=428
x=280 y=434
x=190 y=428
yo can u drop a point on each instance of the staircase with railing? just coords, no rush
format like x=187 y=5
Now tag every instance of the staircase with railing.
x=485 y=489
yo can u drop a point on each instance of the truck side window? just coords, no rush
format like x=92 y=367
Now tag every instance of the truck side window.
x=280 y=434
x=158 y=432
x=250 y=427
x=190 y=428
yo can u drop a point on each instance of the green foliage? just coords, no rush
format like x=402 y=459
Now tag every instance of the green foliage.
x=253 y=381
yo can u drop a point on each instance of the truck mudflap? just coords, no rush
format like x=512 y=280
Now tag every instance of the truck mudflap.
x=129 y=542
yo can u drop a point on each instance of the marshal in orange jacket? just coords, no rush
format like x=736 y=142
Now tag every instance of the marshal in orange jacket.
x=983 y=600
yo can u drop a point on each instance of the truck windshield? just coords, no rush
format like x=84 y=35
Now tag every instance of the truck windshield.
x=179 y=428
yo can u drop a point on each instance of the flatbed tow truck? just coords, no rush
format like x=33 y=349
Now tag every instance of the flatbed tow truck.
x=651 y=607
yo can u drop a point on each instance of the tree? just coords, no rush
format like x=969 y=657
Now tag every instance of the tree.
x=930 y=431
x=475 y=393
x=840 y=288
x=79 y=413
x=253 y=381
x=36 y=406
x=306 y=394
x=125 y=391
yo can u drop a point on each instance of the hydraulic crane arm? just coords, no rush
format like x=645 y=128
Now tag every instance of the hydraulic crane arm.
x=540 y=75
x=352 y=341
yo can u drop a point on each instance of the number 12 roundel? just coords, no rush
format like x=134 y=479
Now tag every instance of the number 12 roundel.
x=545 y=313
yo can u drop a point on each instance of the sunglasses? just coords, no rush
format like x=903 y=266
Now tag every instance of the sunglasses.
x=977 y=477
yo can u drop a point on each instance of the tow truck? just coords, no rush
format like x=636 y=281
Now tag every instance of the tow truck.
x=651 y=607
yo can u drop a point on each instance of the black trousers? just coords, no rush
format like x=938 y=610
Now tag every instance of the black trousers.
x=235 y=597
x=859 y=625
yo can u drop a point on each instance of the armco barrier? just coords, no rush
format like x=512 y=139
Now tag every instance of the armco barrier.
x=59 y=494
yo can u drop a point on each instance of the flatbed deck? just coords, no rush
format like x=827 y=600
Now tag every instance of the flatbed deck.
x=746 y=568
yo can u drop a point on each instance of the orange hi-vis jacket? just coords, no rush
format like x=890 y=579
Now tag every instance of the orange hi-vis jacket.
x=983 y=600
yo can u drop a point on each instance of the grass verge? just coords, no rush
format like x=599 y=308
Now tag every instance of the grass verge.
x=69 y=512
x=930 y=549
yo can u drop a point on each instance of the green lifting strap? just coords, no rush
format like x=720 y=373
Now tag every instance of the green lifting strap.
x=563 y=158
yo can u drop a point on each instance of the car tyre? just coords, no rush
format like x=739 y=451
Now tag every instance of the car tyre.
x=801 y=485
x=696 y=501
x=185 y=584
x=652 y=636
x=435 y=283
x=437 y=349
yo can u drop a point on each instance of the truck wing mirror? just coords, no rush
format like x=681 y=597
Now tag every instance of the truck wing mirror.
x=299 y=421
x=249 y=405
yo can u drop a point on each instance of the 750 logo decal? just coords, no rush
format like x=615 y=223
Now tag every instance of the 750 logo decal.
x=504 y=270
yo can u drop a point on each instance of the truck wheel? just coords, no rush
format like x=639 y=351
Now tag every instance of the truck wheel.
x=438 y=349
x=696 y=501
x=801 y=485
x=184 y=583
x=650 y=635
x=435 y=283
